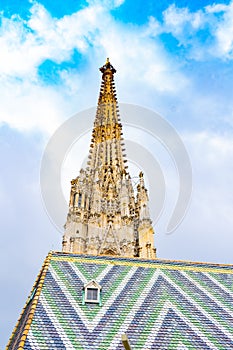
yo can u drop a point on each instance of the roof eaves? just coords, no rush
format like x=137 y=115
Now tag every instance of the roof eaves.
x=37 y=287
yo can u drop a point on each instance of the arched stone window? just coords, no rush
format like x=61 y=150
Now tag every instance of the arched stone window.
x=79 y=200
x=92 y=293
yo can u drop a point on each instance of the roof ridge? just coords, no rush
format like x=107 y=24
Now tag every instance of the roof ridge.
x=144 y=259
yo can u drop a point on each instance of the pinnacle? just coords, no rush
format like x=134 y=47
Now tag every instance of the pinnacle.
x=107 y=68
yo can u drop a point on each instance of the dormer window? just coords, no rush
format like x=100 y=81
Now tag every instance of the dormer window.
x=92 y=293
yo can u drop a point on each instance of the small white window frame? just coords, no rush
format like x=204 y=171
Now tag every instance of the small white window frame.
x=92 y=285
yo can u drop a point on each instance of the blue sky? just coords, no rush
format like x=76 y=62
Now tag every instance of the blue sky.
x=172 y=57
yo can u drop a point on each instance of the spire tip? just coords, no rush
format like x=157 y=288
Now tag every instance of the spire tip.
x=108 y=66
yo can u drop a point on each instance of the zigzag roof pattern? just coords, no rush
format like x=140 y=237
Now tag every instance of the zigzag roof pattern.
x=159 y=304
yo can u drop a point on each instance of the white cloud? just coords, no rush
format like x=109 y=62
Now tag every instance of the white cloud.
x=216 y=8
x=224 y=34
x=26 y=102
x=212 y=159
x=218 y=149
x=175 y=19
x=206 y=232
x=27 y=106
x=153 y=27
x=215 y=20
x=135 y=50
x=94 y=33
x=141 y=59
x=110 y=4
x=26 y=44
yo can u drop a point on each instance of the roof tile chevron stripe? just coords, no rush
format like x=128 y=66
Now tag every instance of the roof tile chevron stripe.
x=160 y=304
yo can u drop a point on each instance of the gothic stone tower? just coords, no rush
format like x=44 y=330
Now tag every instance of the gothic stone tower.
x=104 y=217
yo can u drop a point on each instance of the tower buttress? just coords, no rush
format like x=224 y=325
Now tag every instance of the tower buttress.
x=104 y=217
x=145 y=228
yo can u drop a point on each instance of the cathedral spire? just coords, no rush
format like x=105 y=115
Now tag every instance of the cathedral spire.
x=107 y=138
x=104 y=217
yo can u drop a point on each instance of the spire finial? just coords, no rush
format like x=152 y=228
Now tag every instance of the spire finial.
x=107 y=67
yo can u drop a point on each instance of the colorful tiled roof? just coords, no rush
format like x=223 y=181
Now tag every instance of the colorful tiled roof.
x=159 y=304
